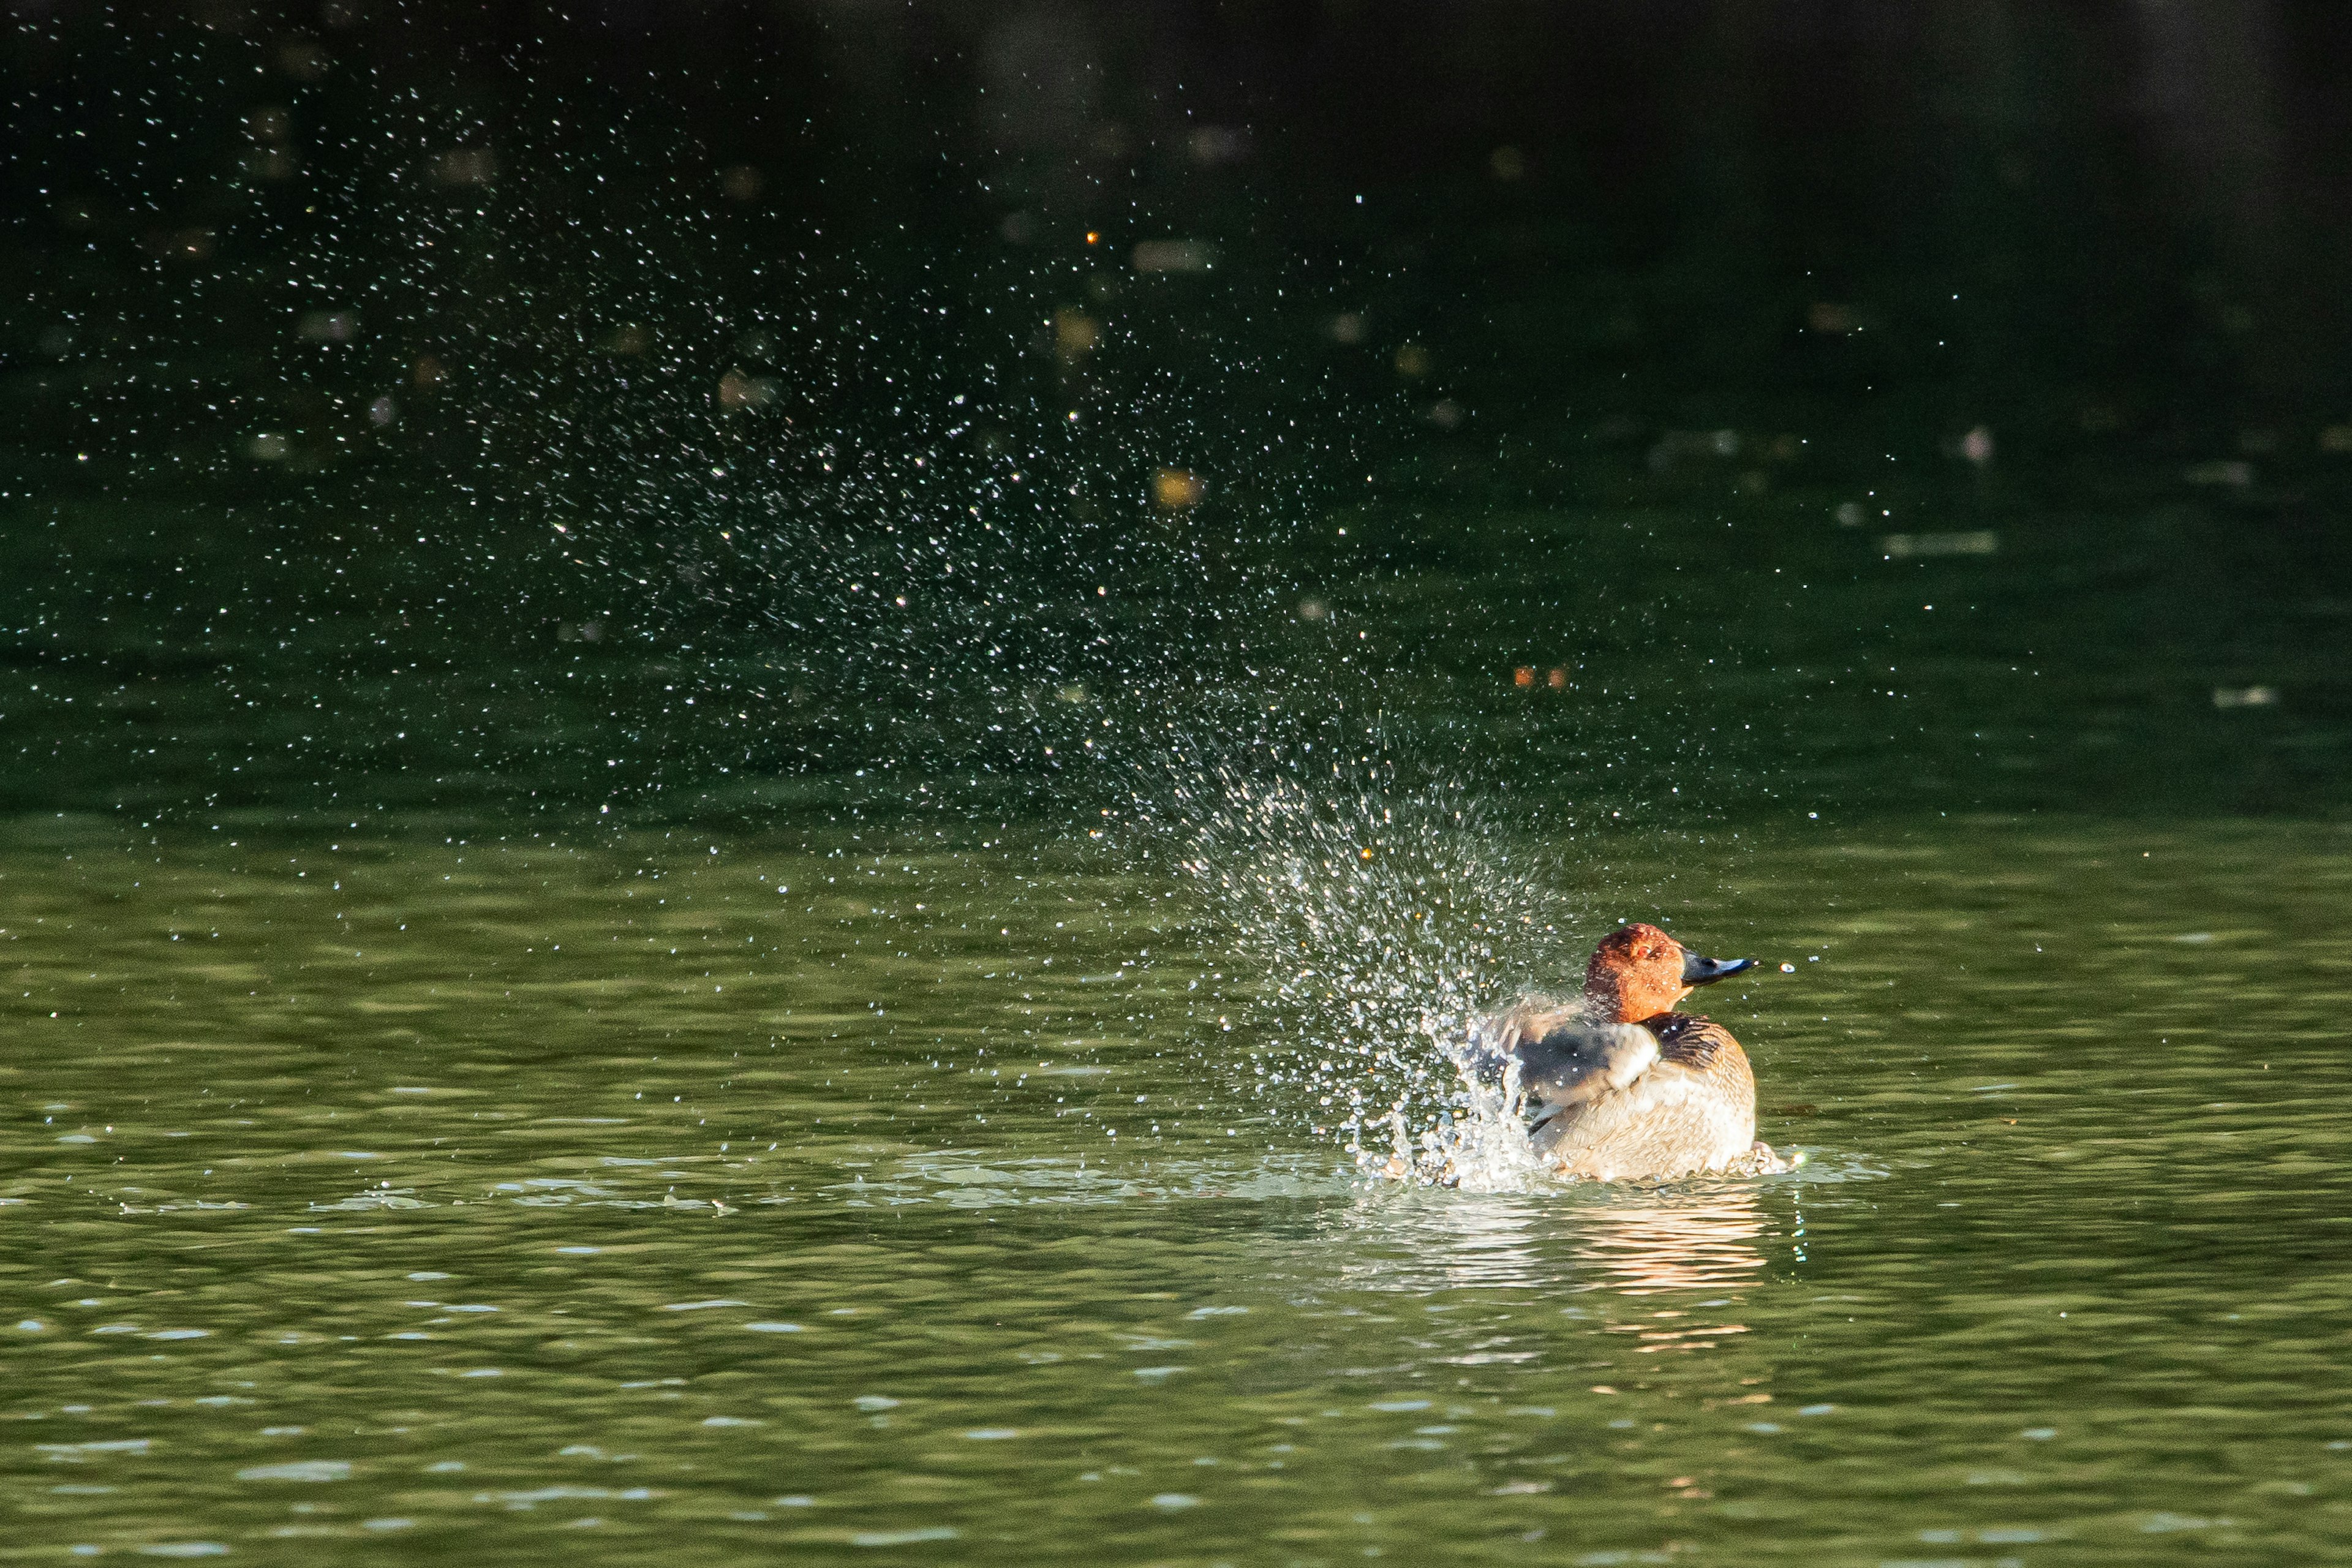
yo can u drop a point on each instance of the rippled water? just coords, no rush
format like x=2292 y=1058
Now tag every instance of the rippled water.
x=493 y=1200
x=749 y=768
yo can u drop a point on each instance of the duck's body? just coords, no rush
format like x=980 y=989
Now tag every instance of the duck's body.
x=1667 y=1096
x=1623 y=1087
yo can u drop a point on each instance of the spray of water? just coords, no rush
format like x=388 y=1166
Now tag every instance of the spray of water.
x=920 y=523
x=1380 y=924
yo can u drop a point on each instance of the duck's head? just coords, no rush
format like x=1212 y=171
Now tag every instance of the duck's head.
x=1639 y=972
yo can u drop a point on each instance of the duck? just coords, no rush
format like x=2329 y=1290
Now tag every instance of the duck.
x=1621 y=1085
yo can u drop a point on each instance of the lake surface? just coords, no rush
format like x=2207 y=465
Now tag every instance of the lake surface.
x=497 y=1200
x=507 y=1059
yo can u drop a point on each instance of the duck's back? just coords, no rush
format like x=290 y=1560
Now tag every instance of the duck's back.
x=1692 y=1109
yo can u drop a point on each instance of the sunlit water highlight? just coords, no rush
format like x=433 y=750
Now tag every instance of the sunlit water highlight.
x=622 y=1203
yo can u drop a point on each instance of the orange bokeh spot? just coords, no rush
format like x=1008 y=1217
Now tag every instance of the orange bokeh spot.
x=1557 y=680
x=1524 y=675
x=1176 y=488
x=1092 y=238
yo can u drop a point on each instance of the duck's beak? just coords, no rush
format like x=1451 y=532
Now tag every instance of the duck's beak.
x=1698 y=971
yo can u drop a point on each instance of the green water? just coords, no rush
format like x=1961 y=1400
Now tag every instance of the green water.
x=484 y=1091
x=492 y=1201
x=467 y=1099
x=750 y=758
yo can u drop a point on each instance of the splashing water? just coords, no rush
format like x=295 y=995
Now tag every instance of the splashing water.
x=1383 y=925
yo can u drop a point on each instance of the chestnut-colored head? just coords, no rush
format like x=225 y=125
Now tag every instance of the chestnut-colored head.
x=1639 y=972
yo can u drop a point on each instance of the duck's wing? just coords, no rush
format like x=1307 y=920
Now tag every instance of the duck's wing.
x=1573 y=1064
x=1492 y=1043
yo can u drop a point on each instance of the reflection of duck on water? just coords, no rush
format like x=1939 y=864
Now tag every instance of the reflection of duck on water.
x=1655 y=1243
x=1619 y=1241
x=1621 y=1085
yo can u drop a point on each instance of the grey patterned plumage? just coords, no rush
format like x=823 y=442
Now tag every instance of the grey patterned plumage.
x=1666 y=1097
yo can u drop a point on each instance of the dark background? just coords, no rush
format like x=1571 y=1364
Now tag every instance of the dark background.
x=376 y=373
x=2140 y=206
